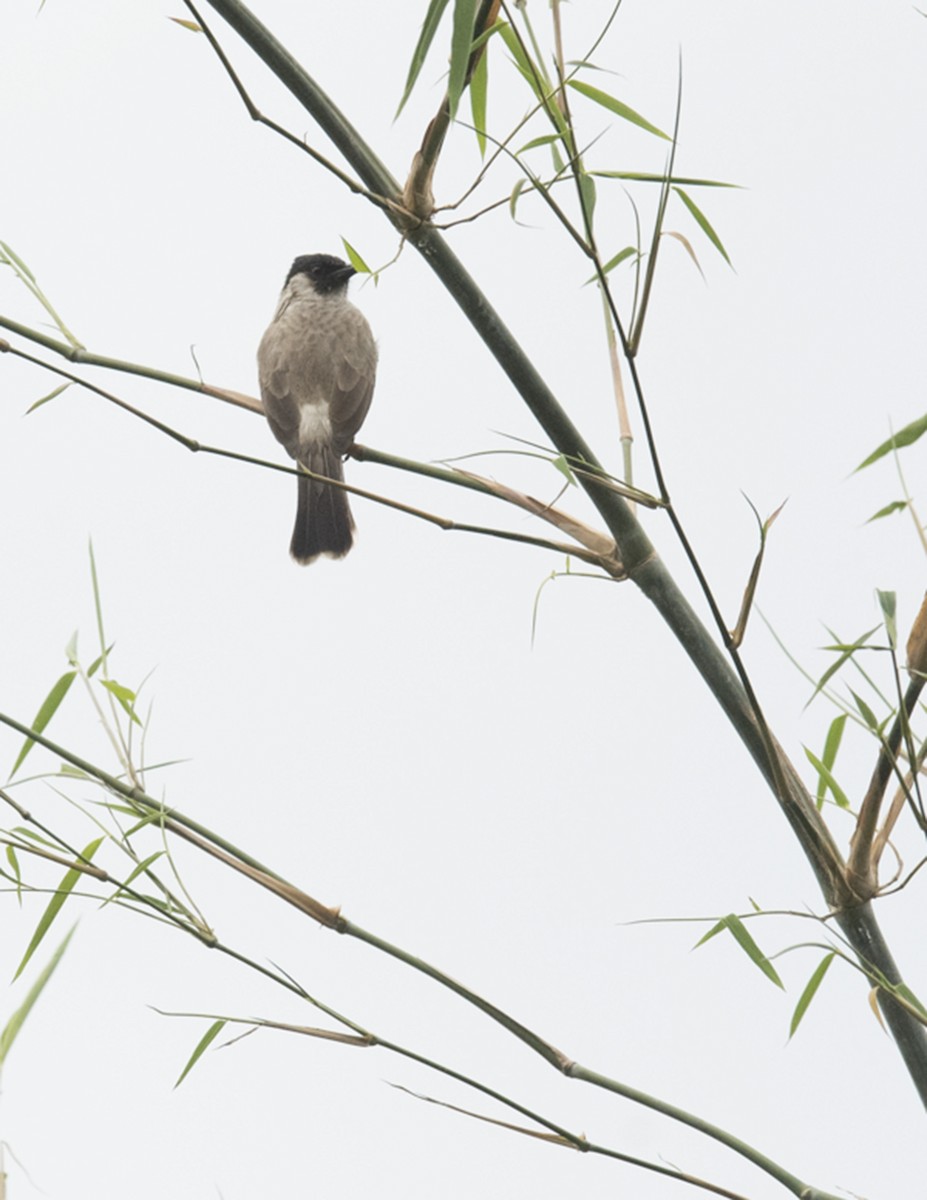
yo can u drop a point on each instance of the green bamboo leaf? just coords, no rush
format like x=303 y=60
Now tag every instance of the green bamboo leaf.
x=895 y=506
x=703 y=223
x=563 y=466
x=201 y=1047
x=522 y=62
x=99 y=661
x=544 y=140
x=140 y=869
x=866 y=712
x=833 y=739
x=55 y=904
x=13 y=859
x=615 y=106
x=713 y=932
x=422 y=46
x=45 y=399
x=752 y=950
x=12 y=259
x=904 y=437
x=810 y=989
x=888 y=602
x=742 y=937
x=17 y=1020
x=652 y=177
x=461 y=49
x=191 y=25
x=125 y=697
x=516 y=192
x=847 y=652
x=47 y=710
x=479 y=88
x=614 y=261
x=587 y=192
x=354 y=258
x=826 y=780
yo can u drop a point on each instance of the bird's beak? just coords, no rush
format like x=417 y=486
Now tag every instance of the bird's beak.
x=345 y=272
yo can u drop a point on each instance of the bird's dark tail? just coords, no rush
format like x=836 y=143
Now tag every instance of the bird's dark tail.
x=323 y=518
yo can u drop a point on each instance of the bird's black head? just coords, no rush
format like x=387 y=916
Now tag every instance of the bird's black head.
x=327 y=273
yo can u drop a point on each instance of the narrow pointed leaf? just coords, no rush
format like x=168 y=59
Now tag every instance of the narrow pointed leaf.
x=866 y=712
x=616 y=106
x=809 y=992
x=895 y=506
x=45 y=399
x=742 y=937
x=847 y=652
x=703 y=223
x=522 y=62
x=904 y=437
x=201 y=1047
x=654 y=177
x=479 y=87
x=422 y=46
x=888 y=602
x=752 y=950
x=125 y=697
x=587 y=191
x=17 y=1020
x=826 y=780
x=461 y=49
x=47 y=710
x=354 y=258
x=55 y=904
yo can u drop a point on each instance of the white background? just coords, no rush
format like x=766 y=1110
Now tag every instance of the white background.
x=382 y=730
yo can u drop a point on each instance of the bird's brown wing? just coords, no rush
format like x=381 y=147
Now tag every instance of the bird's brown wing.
x=355 y=363
x=277 y=395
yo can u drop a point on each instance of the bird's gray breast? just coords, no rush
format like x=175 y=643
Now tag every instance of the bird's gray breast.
x=317 y=366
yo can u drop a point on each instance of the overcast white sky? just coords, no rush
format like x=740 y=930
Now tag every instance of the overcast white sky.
x=382 y=730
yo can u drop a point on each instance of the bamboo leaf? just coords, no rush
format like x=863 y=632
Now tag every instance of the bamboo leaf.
x=18 y=1019
x=847 y=652
x=686 y=245
x=615 y=106
x=354 y=258
x=742 y=937
x=201 y=1047
x=826 y=780
x=461 y=49
x=47 y=710
x=653 y=177
x=866 y=712
x=895 y=506
x=522 y=62
x=614 y=261
x=703 y=223
x=831 y=746
x=422 y=46
x=904 y=437
x=544 y=140
x=191 y=25
x=45 y=399
x=888 y=604
x=55 y=904
x=587 y=192
x=125 y=697
x=809 y=992
x=479 y=88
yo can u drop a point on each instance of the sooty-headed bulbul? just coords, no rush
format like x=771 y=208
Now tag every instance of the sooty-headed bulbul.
x=317 y=364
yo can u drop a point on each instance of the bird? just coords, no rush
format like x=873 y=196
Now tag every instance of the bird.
x=317 y=365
